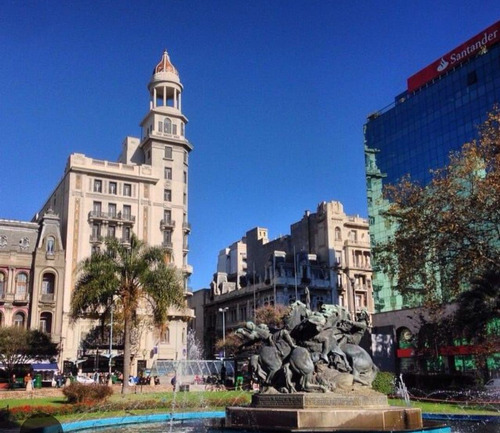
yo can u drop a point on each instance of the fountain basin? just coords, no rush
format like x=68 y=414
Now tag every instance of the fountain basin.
x=306 y=412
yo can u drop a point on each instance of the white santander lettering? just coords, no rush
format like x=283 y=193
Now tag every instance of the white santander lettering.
x=487 y=37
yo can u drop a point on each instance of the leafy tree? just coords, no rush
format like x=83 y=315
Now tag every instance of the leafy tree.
x=19 y=346
x=136 y=276
x=446 y=233
x=229 y=346
x=478 y=313
x=271 y=315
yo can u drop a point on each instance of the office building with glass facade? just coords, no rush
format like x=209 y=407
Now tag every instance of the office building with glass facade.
x=439 y=112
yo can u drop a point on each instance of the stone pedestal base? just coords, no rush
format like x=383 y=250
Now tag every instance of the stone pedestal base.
x=323 y=412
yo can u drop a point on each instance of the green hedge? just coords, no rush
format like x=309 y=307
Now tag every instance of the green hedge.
x=79 y=393
x=384 y=382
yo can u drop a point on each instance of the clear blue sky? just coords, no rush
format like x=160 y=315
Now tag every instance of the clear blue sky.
x=276 y=93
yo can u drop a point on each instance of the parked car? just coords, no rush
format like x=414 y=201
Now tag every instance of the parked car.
x=84 y=379
x=492 y=387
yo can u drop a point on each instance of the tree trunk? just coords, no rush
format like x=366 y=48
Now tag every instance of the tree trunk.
x=126 y=355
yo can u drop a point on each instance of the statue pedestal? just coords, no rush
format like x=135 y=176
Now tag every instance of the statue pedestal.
x=366 y=411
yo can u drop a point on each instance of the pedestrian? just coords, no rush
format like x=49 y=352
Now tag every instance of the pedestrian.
x=173 y=382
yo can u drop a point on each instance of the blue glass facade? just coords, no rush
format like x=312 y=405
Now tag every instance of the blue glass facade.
x=416 y=134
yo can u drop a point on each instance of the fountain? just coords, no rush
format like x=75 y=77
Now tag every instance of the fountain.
x=315 y=376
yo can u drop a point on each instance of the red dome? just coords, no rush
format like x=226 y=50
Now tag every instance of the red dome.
x=165 y=65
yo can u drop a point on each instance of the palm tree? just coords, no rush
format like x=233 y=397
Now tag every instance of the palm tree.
x=134 y=274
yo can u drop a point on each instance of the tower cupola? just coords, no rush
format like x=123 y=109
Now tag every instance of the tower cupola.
x=165 y=87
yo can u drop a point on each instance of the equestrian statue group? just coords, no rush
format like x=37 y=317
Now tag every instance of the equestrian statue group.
x=313 y=352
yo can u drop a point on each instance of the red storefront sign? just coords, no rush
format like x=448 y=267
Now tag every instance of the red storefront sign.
x=447 y=351
x=470 y=48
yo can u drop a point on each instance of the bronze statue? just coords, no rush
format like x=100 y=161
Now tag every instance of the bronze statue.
x=311 y=351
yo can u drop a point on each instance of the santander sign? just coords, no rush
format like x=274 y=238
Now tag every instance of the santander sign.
x=473 y=46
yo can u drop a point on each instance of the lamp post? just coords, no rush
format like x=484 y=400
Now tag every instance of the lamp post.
x=110 y=344
x=223 y=311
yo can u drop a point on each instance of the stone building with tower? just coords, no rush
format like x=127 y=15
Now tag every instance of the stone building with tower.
x=144 y=192
x=325 y=259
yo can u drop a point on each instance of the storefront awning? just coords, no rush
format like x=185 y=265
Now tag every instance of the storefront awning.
x=45 y=367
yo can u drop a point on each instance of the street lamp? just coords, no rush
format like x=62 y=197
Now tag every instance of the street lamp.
x=223 y=311
x=110 y=343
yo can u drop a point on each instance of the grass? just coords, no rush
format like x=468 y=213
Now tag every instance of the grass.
x=119 y=405
x=450 y=408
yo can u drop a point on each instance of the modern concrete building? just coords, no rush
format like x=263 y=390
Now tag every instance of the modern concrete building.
x=144 y=192
x=325 y=259
x=437 y=113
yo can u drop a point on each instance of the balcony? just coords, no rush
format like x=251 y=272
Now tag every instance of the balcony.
x=167 y=224
x=21 y=298
x=47 y=298
x=96 y=239
x=124 y=218
x=167 y=245
x=187 y=269
x=186 y=227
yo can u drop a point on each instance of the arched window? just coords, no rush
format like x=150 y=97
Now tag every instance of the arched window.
x=2 y=285
x=50 y=245
x=48 y=286
x=167 y=126
x=19 y=320
x=338 y=234
x=46 y=322
x=21 y=285
x=165 y=336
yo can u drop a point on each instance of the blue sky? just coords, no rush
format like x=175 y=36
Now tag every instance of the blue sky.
x=276 y=93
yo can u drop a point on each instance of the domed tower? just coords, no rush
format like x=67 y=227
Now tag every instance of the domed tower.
x=166 y=150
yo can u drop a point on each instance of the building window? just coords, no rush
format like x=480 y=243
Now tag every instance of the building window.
x=2 y=285
x=46 y=322
x=185 y=177
x=165 y=336
x=97 y=185
x=167 y=126
x=112 y=188
x=167 y=237
x=182 y=129
x=184 y=198
x=174 y=129
x=96 y=231
x=19 y=320
x=168 y=173
x=168 y=152
x=112 y=210
x=49 y=248
x=48 y=284
x=127 y=211
x=97 y=208
x=126 y=234
x=338 y=234
x=127 y=189
x=185 y=157
x=167 y=215
x=111 y=231
x=160 y=126
x=167 y=195
x=471 y=78
x=21 y=285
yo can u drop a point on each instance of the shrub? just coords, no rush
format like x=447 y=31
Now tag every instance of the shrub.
x=384 y=382
x=79 y=393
